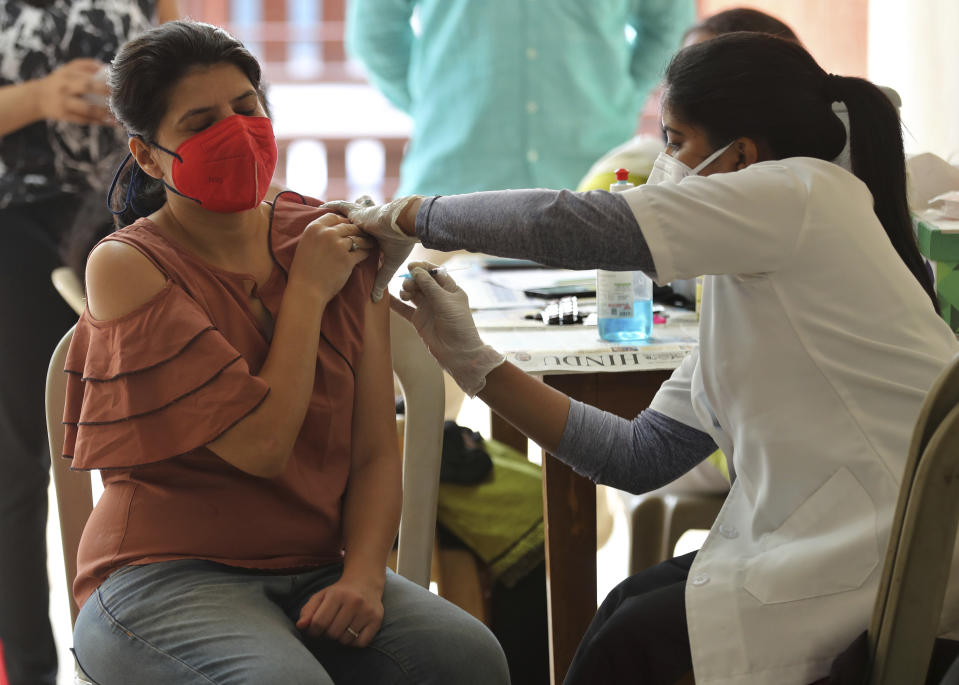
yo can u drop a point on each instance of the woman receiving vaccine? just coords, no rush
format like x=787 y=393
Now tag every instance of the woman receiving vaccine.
x=819 y=338
x=231 y=380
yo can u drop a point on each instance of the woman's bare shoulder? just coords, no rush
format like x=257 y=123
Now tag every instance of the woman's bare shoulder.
x=120 y=278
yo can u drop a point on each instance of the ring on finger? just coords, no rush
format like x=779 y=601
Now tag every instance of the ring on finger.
x=353 y=246
x=352 y=632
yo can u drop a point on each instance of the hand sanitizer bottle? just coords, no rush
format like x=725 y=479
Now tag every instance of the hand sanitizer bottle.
x=624 y=299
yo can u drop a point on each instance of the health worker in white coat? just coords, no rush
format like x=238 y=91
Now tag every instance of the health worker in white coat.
x=819 y=338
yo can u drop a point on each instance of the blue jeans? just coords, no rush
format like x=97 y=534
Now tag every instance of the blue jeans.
x=197 y=621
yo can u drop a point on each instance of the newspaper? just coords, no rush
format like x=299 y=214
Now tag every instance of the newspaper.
x=658 y=356
x=579 y=349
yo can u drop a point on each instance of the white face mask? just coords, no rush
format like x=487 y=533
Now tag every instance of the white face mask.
x=668 y=168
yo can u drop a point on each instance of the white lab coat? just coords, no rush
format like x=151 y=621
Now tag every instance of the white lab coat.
x=817 y=346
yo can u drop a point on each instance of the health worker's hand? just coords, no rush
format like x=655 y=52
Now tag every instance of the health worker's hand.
x=75 y=92
x=380 y=221
x=348 y=611
x=442 y=318
x=329 y=248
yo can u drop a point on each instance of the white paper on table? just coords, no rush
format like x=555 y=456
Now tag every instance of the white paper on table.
x=939 y=221
x=928 y=176
x=482 y=293
x=526 y=279
x=947 y=204
x=485 y=295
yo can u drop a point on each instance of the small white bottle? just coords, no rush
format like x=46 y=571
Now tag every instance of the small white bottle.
x=624 y=299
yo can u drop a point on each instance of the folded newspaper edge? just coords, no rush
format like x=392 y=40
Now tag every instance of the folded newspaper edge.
x=616 y=359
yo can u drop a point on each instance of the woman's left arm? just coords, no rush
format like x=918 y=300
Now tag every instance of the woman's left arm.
x=371 y=509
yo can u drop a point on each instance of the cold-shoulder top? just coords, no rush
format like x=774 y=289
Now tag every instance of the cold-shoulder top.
x=146 y=393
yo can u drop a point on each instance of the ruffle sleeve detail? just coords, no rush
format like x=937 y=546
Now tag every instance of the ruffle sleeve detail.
x=156 y=383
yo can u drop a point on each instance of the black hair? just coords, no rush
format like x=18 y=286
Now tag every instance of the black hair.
x=142 y=75
x=742 y=19
x=772 y=91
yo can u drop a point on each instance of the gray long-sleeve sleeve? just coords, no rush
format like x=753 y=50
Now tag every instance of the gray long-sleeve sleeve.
x=560 y=228
x=637 y=456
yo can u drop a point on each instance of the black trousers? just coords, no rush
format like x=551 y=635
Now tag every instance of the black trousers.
x=33 y=317
x=639 y=635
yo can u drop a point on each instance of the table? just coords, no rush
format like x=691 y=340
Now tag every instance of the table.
x=613 y=377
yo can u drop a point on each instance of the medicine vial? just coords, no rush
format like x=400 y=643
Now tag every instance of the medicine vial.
x=624 y=299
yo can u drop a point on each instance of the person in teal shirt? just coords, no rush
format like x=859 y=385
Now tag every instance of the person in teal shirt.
x=513 y=93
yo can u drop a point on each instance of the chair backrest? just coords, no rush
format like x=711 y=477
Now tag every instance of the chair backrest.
x=423 y=392
x=69 y=286
x=422 y=382
x=74 y=489
x=918 y=562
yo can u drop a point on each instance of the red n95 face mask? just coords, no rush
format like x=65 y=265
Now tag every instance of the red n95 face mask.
x=228 y=166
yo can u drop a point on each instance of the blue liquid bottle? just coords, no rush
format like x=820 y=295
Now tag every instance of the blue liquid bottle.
x=624 y=299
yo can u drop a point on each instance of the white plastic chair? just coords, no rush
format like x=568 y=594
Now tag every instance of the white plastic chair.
x=69 y=286
x=422 y=382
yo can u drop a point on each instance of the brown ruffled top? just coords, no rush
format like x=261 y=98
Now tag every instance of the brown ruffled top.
x=147 y=391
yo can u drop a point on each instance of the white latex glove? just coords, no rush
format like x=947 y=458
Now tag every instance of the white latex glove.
x=442 y=318
x=380 y=222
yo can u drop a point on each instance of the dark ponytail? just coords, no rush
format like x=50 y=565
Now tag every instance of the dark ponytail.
x=773 y=91
x=875 y=148
x=142 y=75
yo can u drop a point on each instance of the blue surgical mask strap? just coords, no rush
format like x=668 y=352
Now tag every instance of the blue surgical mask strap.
x=160 y=147
x=167 y=185
x=177 y=192
x=130 y=194
x=113 y=187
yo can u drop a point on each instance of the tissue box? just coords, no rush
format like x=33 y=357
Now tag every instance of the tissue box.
x=939 y=244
